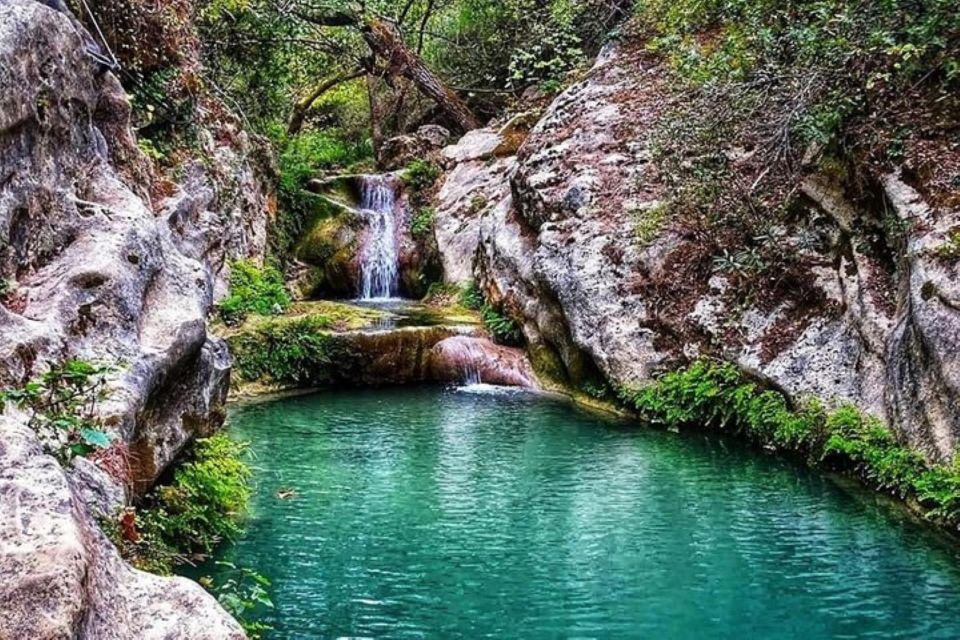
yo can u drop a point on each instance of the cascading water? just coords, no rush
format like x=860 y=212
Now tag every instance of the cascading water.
x=379 y=261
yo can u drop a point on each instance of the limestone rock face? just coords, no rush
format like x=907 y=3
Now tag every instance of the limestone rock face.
x=61 y=578
x=570 y=238
x=96 y=269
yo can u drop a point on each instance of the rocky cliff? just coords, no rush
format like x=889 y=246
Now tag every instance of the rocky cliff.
x=100 y=264
x=570 y=235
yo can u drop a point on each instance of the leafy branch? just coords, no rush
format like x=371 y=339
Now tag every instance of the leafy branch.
x=62 y=407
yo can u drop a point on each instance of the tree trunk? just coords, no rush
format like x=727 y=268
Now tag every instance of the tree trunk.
x=300 y=110
x=387 y=44
x=376 y=130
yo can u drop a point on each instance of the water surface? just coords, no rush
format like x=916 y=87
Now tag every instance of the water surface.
x=424 y=513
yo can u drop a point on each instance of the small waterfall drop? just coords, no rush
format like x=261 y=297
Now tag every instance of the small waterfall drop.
x=379 y=260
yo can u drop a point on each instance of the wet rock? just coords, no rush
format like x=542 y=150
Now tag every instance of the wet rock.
x=330 y=248
x=472 y=359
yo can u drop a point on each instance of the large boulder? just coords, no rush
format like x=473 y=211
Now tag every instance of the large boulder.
x=479 y=360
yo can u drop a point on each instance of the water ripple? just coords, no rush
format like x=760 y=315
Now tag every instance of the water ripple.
x=441 y=514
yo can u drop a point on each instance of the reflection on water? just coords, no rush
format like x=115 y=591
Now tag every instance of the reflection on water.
x=426 y=513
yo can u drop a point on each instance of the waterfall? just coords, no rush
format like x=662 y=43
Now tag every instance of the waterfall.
x=379 y=269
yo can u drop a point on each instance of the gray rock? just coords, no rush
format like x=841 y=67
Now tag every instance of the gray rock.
x=104 y=274
x=557 y=249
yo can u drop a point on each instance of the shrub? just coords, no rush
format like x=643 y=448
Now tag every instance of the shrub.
x=253 y=290
x=504 y=329
x=718 y=396
x=421 y=175
x=62 y=406
x=301 y=158
x=421 y=225
x=242 y=592
x=202 y=505
x=950 y=248
x=471 y=297
x=287 y=351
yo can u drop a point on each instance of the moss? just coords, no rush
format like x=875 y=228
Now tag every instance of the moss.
x=718 y=396
x=297 y=351
x=324 y=241
x=340 y=315
x=647 y=221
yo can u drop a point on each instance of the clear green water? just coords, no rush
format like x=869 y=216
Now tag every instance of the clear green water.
x=425 y=513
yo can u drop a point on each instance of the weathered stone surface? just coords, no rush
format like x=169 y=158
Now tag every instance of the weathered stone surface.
x=424 y=143
x=551 y=236
x=59 y=576
x=99 y=271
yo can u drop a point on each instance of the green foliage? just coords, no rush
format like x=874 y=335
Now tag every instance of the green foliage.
x=736 y=37
x=62 y=406
x=149 y=149
x=766 y=82
x=517 y=43
x=299 y=351
x=421 y=175
x=551 y=51
x=597 y=391
x=253 y=291
x=471 y=297
x=202 y=505
x=744 y=262
x=718 y=396
x=300 y=159
x=866 y=444
x=243 y=592
x=950 y=248
x=647 y=222
x=421 y=225
x=504 y=329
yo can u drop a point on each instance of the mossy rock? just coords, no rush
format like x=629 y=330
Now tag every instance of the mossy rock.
x=330 y=246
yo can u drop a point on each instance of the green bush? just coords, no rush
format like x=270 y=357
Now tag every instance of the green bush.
x=471 y=297
x=242 y=592
x=287 y=351
x=301 y=158
x=504 y=329
x=253 y=291
x=421 y=175
x=717 y=396
x=202 y=505
x=62 y=407
x=421 y=225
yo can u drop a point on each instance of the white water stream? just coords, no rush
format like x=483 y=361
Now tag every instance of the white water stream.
x=379 y=260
